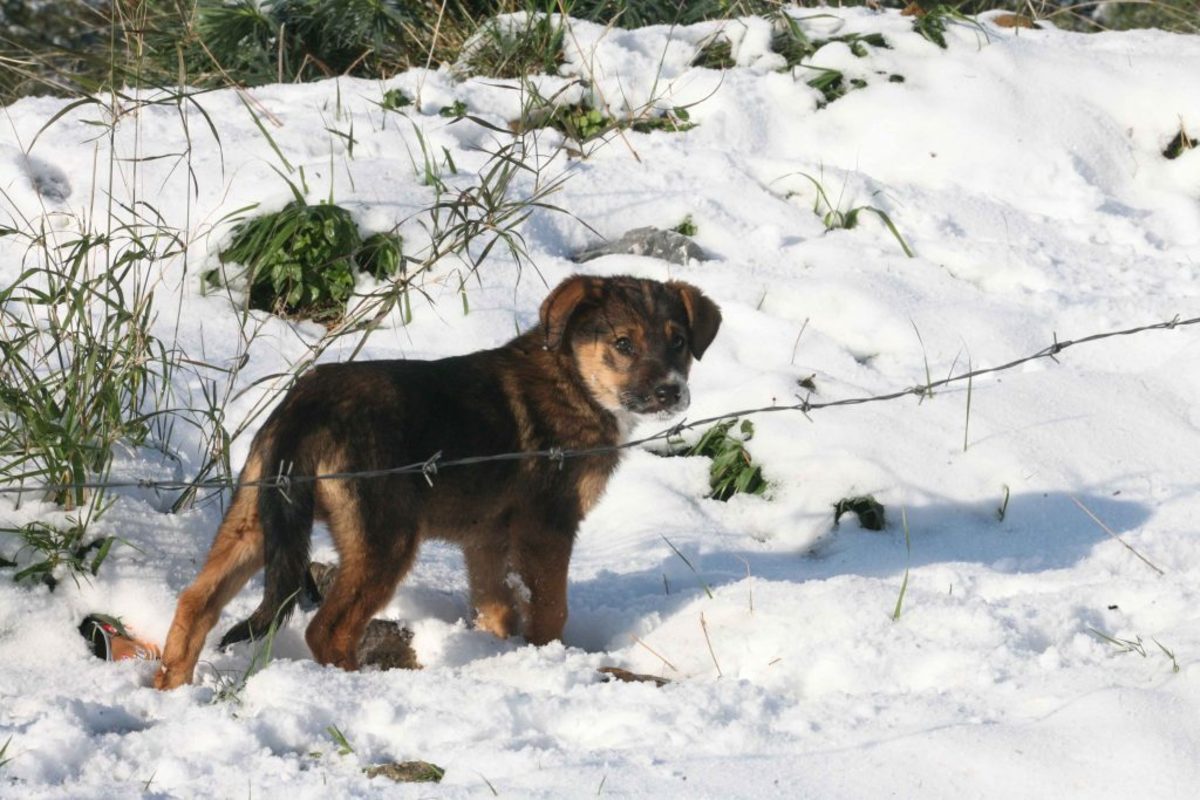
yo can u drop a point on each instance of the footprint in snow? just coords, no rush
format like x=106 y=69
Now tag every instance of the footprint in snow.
x=48 y=180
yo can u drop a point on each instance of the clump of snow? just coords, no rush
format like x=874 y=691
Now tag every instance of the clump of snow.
x=1024 y=167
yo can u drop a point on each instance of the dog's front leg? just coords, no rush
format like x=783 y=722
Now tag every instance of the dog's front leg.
x=492 y=582
x=542 y=560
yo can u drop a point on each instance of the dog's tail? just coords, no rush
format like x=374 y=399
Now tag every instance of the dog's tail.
x=285 y=512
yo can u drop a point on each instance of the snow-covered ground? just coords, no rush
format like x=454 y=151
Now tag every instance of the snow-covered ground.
x=1024 y=167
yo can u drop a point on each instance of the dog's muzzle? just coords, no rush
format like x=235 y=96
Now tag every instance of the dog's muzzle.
x=667 y=399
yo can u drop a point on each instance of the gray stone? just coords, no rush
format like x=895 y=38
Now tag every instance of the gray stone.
x=653 y=242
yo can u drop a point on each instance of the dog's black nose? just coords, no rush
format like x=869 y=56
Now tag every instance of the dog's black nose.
x=667 y=394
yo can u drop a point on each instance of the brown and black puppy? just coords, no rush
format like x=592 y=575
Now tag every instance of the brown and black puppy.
x=607 y=349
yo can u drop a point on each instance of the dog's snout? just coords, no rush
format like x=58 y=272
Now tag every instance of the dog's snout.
x=667 y=394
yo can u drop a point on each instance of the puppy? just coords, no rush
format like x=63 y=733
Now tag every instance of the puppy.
x=606 y=351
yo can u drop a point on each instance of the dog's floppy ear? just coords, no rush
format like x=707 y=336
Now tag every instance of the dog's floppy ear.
x=703 y=316
x=561 y=304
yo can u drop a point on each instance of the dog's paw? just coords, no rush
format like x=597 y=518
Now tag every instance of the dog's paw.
x=167 y=678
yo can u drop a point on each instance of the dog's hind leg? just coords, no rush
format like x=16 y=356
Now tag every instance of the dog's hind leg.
x=373 y=557
x=236 y=554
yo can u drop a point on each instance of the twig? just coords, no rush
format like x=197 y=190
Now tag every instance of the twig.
x=711 y=652
x=1110 y=532
x=655 y=653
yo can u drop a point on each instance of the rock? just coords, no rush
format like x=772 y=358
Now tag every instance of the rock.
x=653 y=242
x=387 y=645
x=618 y=674
x=407 y=772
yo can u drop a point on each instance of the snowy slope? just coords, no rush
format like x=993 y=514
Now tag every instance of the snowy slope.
x=1025 y=170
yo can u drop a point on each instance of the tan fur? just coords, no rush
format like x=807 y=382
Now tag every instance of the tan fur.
x=602 y=381
x=236 y=554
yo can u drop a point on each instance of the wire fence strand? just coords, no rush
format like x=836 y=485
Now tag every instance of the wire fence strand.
x=435 y=463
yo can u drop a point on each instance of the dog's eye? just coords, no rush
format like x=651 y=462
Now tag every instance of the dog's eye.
x=676 y=342
x=624 y=345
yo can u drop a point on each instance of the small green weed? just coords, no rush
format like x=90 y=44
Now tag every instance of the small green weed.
x=1179 y=145
x=796 y=47
x=834 y=217
x=230 y=689
x=690 y=565
x=733 y=471
x=300 y=261
x=687 y=227
x=4 y=756
x=395 y=99
x=381 y=255
x=674 y=120
x=832 y=83
x=1002 y=509
x=456 y=110
x=506 y=50
x=1134 y=645
x=581 y=122
x=716 y=53
x=343 y=745
x=66 y=547
x=1169 y=654
x=931 y=22
x=870 y=512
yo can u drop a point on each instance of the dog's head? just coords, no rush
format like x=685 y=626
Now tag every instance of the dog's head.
x=632 y=340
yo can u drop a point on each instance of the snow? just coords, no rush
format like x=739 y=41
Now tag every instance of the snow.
x=1024 y=168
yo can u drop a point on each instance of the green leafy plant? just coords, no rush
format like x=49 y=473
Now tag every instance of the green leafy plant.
x=301 y=260
x=581 y=122
x=931 y=21
x=797 y=47
x=78 y=365
x=673 y=120
x=733 y=471
x=58 y=547
x=5 y=758
x=395 y=99
x=456 y=110
x=381 y=255
x=687 y=227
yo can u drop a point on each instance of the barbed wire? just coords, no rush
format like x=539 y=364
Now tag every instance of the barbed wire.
x=432 y=465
